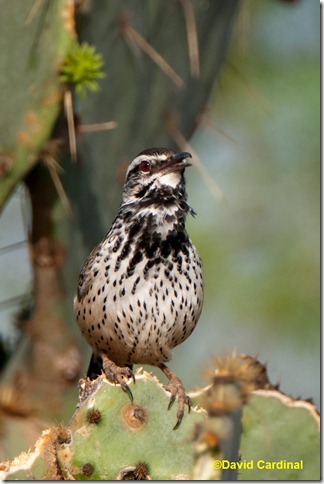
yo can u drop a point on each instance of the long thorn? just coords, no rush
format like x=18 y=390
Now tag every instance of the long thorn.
x=135 y=37
x=192 y=37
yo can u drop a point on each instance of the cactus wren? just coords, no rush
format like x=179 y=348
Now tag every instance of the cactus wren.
x=140 y=291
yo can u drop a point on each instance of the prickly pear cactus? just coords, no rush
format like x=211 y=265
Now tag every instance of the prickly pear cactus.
x=110 y=438
x=129 y=434
x=280 y=439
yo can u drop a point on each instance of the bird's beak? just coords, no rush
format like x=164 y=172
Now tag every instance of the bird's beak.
x=180 y=157
x=177 y=162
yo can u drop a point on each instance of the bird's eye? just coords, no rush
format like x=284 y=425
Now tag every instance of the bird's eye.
x=145 y=167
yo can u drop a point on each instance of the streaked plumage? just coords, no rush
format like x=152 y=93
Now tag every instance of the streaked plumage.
x=140 y=291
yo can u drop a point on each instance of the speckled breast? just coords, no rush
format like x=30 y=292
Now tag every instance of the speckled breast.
x=141 y=300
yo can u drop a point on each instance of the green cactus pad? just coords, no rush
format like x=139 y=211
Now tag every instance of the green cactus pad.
x=33 y=44
x=278 y=430
x=111 y=436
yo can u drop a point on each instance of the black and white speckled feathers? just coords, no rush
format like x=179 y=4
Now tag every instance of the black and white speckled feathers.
x=140 y=291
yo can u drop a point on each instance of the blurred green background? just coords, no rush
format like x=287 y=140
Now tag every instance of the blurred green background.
x=261 y=247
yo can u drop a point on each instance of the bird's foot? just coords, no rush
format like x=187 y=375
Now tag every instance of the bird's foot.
x=177 y=390
x=118 y=375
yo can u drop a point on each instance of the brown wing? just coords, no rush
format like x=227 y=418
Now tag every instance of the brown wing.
x=86 y=274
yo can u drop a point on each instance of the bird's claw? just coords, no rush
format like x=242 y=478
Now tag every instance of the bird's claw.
x=118 y=375
x=172 y=400
x=126 y=389
x=177 y=390
x=180 y=412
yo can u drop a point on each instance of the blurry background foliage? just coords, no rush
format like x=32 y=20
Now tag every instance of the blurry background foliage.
x=260 y=247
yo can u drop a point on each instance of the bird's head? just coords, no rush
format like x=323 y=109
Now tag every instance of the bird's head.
x=155 y=175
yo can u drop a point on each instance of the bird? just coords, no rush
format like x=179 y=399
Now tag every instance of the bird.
x=140 y=291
